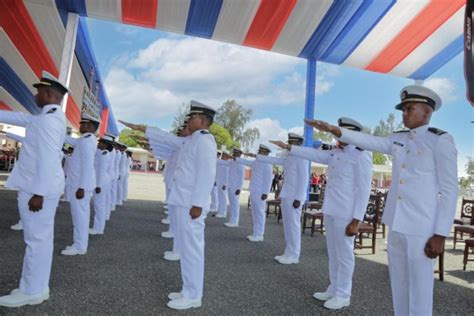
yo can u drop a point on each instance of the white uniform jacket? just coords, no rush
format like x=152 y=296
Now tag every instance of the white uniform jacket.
x=423 y=194
x=81 y=172
x=118 y=156
x=261 y=178
x=236 y=176
x=349 y=179
x=195 y=171
x=123 y=165
x=222 y=173
x=39 y=169
x=101 y=165
x=296 y=177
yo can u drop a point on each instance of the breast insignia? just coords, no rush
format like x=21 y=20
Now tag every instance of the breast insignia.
x=204 y=132
x=402 y=131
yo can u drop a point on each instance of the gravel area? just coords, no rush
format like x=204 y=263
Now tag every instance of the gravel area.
x=123 y=271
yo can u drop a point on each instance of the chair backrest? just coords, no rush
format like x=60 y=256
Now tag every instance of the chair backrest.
x=321 y=193
x=372 y=212
x=466 y=209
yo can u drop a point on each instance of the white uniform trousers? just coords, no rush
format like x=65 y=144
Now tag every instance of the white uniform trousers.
x=66 y=189
x=222 y=204
x=190 y=237
x=411 y=274
x=174 y=227
x=258 y=213
x=100 y=209
x=234 y=206
x=341 y=256
x=214 y=199
x=80 y=212
x=292 y=228
x=108 y=197
x=119 y=191
x=125 y=187
x=113 y=195
x=38 y=233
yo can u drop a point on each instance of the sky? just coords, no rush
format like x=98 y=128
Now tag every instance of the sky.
x=148 y=74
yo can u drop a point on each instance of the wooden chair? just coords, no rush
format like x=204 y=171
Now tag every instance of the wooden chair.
x=468 y=243
x=312 y=211
x=466 y=222
x=276 y=204
x=466 y=212
x=383 y=200
x=370 y=223
x=440 y=270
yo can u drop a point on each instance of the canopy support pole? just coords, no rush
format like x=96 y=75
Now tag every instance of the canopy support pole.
x=310 y=98
x=309 y=108
x=68 y=52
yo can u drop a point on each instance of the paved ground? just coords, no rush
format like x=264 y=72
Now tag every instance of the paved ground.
x=123 y=272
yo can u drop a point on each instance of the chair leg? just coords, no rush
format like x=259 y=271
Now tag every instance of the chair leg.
x=466 y=254
x=313 y=222
x=321 y=226
x=441 y=266
x=374 y=235
x=455 y=239
x=383 y=231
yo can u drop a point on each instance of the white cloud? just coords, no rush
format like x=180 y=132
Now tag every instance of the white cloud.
x=445 y=87
x=172 y=71
x=271 y=129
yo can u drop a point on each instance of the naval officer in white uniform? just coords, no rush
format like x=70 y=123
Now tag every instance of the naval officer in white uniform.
x=421 y=203
x=260 y=185
x=81 y=181
x=345 y=202
x=222 y=180
x=293 y=196
x=39 y=178
x=102 y=191
x=235 y=183
x=190 y=195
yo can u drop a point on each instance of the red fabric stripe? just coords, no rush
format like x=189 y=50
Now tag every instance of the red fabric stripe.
x=428 y=21
x=140 y=12
x=21 y=30
x=3 y=106
x=105 y=120
x=268 y=23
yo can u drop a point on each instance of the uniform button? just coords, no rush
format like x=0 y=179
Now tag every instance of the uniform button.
x=402 y=182
x=408 y=151
x=404 y=166
x=399 y=197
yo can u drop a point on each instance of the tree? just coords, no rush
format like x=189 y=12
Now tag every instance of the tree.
x=221 y=135
x=233 y=117
x=470 y=169
x=129 y=137
x=323 y=136
x=384 y=129
x=178 y=120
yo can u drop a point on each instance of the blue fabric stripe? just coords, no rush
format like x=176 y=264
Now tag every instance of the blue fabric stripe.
x=339 y=14
x=202 y=17
x=365 y=19
x=430 y=67
x=17 y=89
x=73 y=6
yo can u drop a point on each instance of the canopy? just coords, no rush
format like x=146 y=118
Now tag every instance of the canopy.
x=407 y=38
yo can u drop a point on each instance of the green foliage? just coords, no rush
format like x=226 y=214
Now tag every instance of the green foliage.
x=470 y=169
x=464 y=183
x=128 y=137
x=221 y=135
x=233 y=117
x=318 y=135
x=387 y=127
x=379 y=159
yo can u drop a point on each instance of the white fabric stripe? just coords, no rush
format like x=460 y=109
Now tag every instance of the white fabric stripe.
x=401 y=13
x=49 y=25
x=234 y=20
x=16 y=61
x=7 y=98
x=433 y=45
x=172 y=15
x=104 y=9
x=301 y=24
